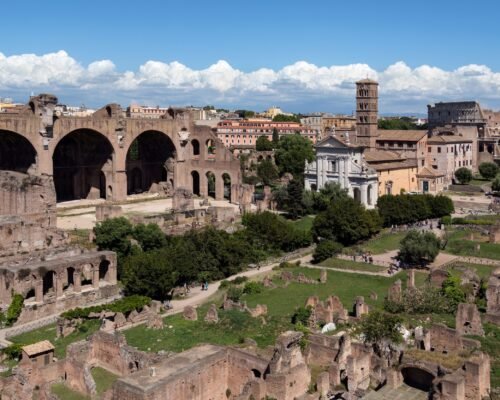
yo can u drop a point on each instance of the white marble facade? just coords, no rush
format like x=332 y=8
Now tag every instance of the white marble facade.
x=343 y=163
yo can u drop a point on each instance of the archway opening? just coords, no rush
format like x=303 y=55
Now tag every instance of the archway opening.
x=357 y=194
x=417 y=378
x=103 y=270
x=195 y=176
x=150 y=160
x=30 y=295
x=210 y=145
x=16 y=152
x=196 y=147
x=80 y=161
x=211 y=184
x=227 y=186
x=49 y=283
x=70 y=280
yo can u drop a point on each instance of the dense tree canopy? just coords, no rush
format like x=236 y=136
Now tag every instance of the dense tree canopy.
x=326 y=249
x=488 y=170
x=286 y=118
x=114 y=234
x=463 y=175
x=267 y=172
x=346 y=221
x=378 y=327
x=403 y=123
x=407 y=209
x=418 y=248
x=263 y=144
x=292 y=153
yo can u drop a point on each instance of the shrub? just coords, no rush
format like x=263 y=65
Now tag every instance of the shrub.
x=488 y=170
x=495 y=185
x=453 y=291
x=234 y=293
x=239 y=280
x=124 y=305
x=301 y=315
x=378 y=326
x=446 y=220
x=15 y=309
x=253 y=288
x=326 y=249
x=463 y=175
x=13 y=352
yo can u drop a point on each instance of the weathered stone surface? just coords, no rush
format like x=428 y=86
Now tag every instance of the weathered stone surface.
x=468 y=320
x=155 y=321
x=260 y=309
x=190 y=313
x=212 y=315
x=360 y=307
x=395 y=292
x=323 y=277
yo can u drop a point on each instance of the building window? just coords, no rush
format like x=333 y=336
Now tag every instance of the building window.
x=428 y=149
x=439 y=149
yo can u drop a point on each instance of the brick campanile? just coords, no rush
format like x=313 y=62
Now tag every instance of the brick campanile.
x=366 y=112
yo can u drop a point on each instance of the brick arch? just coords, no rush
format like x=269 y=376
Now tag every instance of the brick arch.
x=17 y=152
x=83 y=164
x=134 y=135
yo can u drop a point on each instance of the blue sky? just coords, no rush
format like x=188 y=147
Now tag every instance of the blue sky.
x=245 y=54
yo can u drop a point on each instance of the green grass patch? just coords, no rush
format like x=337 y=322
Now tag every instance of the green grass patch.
x=383 y=242
x=65 y=393
x=483 y=271
x=459 y=243
x=103 y=379
x=234 y=326
x=305 y=223
x=351 y=265
x=49 y=333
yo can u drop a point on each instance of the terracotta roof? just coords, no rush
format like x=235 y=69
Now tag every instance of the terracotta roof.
x=428 y=172
x=381 y=155
x=37 y=348
x=401 y=135
x=404 y=164
x=448 y=139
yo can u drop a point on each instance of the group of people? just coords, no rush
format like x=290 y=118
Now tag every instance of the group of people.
x=366 y=257
x=204 y=286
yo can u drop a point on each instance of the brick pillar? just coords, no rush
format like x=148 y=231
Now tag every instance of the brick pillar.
x=77 y=282
x=119 y=186
x=112 y=274
x=95 y=277
x=58 y=285
x=219 y=188
x=203 y=186
x=39 y=291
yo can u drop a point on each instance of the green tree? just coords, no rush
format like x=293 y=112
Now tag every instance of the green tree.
x=326 y=249
x=149 y=236
x=328 y=194
x=292 y=153
x=453 y=291
x=294 y=205
x=378 y=327
x=286 y=118
x=114 y=234
x=263 y=144
x=488 y=170
x=151 y=274
x=245 y=113
x=267 y=172
x=463 y=175
x=419 y=248
x=495 y=185
x=346 y=221
x=276 y=137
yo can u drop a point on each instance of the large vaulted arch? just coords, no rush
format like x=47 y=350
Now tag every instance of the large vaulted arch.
x=16 y=152
x=150 y=160
x=83 y=160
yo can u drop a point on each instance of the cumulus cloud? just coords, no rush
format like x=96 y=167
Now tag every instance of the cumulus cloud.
x=301 y=84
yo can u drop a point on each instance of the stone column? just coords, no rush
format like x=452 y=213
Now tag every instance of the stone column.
x=77 y=281
x=325 y=170
x=118 y=185
x=364 y=194
x=347 y=171
x=203 y=185
x=340 y=163
x=39 y=291
x=95 y=277
x=319 y=176
x=112 y=274
x=58 y=285
x=219 y=188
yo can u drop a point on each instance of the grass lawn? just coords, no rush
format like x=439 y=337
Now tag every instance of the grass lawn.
x=459 y=244
x=383 y=243
x=335 y=262
x=65 y=393
x=305 y=223
x=103 y=379
x=234 y=326
x=49 y=333
x=484 y=271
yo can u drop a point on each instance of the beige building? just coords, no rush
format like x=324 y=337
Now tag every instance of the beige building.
x=40 y=353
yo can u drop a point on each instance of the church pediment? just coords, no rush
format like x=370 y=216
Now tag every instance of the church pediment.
x=331 y=142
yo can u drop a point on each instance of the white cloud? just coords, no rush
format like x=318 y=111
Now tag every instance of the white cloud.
x=301 y=83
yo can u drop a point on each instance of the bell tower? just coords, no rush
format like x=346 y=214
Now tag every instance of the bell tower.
x=366 y=112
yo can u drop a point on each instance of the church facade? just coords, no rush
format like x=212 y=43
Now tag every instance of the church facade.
x=338 y=161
